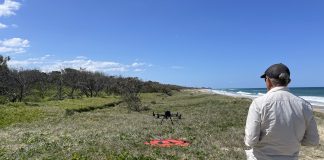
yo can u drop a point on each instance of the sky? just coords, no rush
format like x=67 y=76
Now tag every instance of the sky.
x=198 y=43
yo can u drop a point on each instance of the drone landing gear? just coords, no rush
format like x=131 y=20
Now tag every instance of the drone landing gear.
x=167 y=115
x=167 y=119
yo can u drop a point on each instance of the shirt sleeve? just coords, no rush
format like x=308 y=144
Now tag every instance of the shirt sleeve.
x=253 y=125
x=311 y=136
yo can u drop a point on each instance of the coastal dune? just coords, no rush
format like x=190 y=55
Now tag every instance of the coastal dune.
x=212 y=124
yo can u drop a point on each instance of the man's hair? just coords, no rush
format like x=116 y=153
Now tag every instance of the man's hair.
x=283 y=80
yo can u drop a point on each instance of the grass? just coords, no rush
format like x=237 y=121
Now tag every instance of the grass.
x=18 y=114
x=91 y=108
x=213 y=124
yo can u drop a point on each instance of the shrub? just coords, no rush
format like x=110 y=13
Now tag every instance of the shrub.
x=3 y=100
x=133 y=101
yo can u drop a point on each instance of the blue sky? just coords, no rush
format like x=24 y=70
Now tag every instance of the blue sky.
x=210 y=43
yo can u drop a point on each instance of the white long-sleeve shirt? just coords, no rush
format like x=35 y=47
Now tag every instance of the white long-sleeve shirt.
x=277 y=123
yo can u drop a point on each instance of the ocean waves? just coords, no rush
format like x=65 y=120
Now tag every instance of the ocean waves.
x=254 y=93
x=314 y=100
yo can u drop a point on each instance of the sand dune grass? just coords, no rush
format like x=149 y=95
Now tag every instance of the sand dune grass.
x=213 y=124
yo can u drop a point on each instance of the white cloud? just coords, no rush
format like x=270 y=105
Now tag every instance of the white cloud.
x=103 y=66
x=139 y=70
x=16 y=42
x=47 y=64
x=8 y=7
x=13 y=45
x=136 y=64
x=2 y=26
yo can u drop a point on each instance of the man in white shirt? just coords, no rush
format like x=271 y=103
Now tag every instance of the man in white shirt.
x=278 y=122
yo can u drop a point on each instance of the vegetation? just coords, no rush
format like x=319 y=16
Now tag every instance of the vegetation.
x=34 y=85
x=213 y=124
x=77 y=114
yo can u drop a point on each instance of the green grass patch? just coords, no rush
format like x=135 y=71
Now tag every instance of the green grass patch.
x=81 y=103
x=12 y=115
x=91 y=108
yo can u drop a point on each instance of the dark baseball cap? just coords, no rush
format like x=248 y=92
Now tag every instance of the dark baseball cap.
x=275 y=70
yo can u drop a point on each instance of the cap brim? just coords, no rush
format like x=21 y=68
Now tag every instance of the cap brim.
x=263 y=76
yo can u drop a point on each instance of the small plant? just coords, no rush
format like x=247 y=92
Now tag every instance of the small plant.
x=3 y=100
x=133 y=102
x=146 y=108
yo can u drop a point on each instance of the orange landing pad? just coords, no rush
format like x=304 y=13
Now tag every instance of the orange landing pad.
x=167 y=143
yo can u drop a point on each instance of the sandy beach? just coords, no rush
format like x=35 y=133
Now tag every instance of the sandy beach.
x=318 y=109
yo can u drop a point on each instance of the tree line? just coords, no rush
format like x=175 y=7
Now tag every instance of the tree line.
x=34 y=85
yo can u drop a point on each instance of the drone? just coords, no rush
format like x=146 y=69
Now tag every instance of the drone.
x=167 y=115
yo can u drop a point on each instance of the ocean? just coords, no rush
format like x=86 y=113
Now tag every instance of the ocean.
x=314 y=95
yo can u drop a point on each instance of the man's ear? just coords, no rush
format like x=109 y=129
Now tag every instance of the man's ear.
x=269 y=84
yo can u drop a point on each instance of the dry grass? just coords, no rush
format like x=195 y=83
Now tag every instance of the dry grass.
x=213 y=124
x=315 y=153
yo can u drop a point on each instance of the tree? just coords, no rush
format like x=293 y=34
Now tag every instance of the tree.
x=99 y=82
x=130 y=89
x=57 y=79
x=5 y=86
x=4 y=74
x=3 y=61
x=43 y=81
x=72 y=78
x=86 y=84
x=92 y=83
x=24 y=80
x=15 y=85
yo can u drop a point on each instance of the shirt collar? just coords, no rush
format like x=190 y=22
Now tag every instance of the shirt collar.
x=280 y=88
